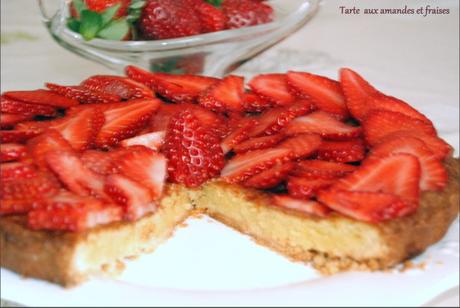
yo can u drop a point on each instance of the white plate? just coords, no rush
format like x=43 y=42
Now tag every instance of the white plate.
x=208 y=264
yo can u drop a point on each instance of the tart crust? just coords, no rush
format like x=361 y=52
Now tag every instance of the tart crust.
x=331 y=245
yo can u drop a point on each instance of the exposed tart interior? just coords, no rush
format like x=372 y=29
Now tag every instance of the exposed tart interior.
x=330 y=245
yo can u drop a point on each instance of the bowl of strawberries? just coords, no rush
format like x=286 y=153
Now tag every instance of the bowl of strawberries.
x=210 y=37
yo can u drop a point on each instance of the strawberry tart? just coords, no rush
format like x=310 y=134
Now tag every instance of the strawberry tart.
x=333 y=173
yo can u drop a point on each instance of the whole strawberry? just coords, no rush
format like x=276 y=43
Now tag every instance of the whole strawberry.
x=243 y=13
x=192 y=149
x=100 y=6
x=164 y=19
x=211 y=17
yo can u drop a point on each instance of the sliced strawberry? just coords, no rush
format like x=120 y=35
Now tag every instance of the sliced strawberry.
x=254 y=103
x=79 y=129
x=153 y=140
x=35 y=126
x=380 y=123
x=193 y=151
x=16 y=171
x=49 y=141
x=12 y=152
x=373 y=207
x=258 y=143
x=124 y=120
x=433 y=174
x=322 y=169
x=134 y=197
x=437 y=146
x=274 y=120
x=324 y=124
x=145 y=166
x=160 y=120
x=239 y=134
x=342 y=151
x=390 y=103
x=302 y=145
x=98 y=161
x=20 y=196
x=8 y=105
x=176 y=88
x=116 y=85
x=270 y=177
x=83 y=95
x=74 y=174
x=305 y=188
x=273 y=87
x=324 y=92
x=42 y=97
x=69 y=212
x=309 y=207
x=243 y=166
x=8 y=120
x=7 y=136
x=357 y=91
x=225 y=95
x=398 y=174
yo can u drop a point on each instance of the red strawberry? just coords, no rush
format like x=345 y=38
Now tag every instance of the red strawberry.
x=437 y=146
x=145 y=166
x=243 y=166
x=20 y=196
x=16 y=171
x=134 y=197
x=34 y=126
x=258 y=143
x=272 y=87
x=302 y=145
x=398 y=174
x=309 y=207
x=8 y=105
x=342 y=151
x=371 y=207
x=100 y=6
x=124 y=120
x=176 y=88
x=433 y=174
x=69 y=212
x=49 y=141
x=83 y=95
x=8 y=120
x=164 y=19
x=305 y=187
x=394 y=104
x=160 y=120
x=12 y=152
x=244 y=13
x=100 y=162
x=41 y=97
x=380 y=123
x=116 y=85
x=239 y=134
x=357 y=91
x=211 y=18
x=225 y=95
x=74 y=174
x=274 y=120
x=270 y=177
x=152 y=141
x=254 y=103
x=324 y=92
x=7 y=136
x=322 y=169
x=324 y=124
x=193 y=151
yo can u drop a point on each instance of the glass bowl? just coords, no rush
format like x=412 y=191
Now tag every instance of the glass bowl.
x=213 y=54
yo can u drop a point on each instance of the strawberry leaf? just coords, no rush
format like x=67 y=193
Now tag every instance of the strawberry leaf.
x=91 y=23
x=109 y=13
x=79 y=5
x=73 y=24
x=216 y=3
x=116 y=30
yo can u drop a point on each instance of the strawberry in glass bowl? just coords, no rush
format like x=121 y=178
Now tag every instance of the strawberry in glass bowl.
x=211 y=37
